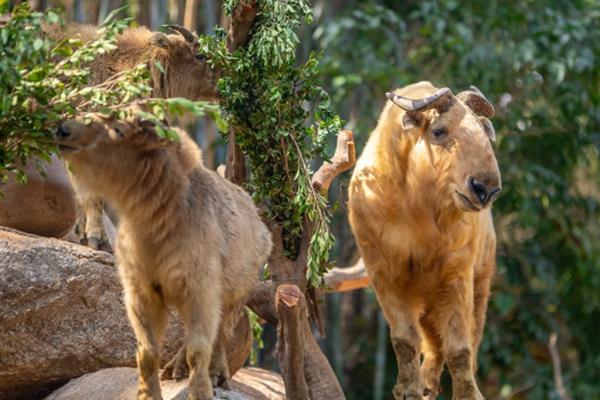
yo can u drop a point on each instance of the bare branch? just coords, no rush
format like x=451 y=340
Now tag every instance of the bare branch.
x=344 y=158
x=345 y=279
x=291 y=310
x=556 y=368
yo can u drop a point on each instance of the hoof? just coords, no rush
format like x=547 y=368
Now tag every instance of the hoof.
x=94 y=243
x=220 y=381
x=177 y=368
x=410 y=392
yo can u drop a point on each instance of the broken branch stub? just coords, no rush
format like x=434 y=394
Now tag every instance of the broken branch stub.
x=291 y=310
x=343 y=159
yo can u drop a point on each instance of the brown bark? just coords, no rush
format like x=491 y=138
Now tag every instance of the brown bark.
x=190 y=17
x=320 y=378
x=238 y=35
x=242 y=21
x=291 y=310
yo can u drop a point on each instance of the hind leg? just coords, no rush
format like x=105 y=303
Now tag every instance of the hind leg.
x=219 y=365
x=433 y=362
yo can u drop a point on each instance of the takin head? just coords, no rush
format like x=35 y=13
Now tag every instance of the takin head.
x=459 y=135
x=106 y=151
x=185 y=72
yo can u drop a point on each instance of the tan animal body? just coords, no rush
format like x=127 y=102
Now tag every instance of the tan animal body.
x=187 y=239
x=185 y=73
x=419 y=204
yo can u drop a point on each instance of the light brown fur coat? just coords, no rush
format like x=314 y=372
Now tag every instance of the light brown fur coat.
x=430 y=259
x=187 y=239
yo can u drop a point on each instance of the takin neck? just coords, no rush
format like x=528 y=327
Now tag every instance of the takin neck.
x=151 y=200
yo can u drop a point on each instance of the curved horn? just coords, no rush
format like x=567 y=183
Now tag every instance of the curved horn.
x=477 y=102
x=187 y=35
x=437 y=100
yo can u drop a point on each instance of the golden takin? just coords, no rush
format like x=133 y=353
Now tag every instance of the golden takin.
x=419 y=206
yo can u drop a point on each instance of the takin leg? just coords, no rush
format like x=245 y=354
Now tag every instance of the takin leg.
x=90 y=225
x=453 y=316
x=176 y=368
x=219 y=364
x=148 y=319
x=405 y=339
x=94 y=224
x=201 y=313
x=481 y=296
x=433 y=362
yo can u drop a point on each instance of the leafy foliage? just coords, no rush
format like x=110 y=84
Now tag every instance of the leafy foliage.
x=282 y=119
x=44 y=81
x=539 y=62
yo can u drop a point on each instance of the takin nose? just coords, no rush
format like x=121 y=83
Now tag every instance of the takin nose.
x=62 y=132
x=483 y=192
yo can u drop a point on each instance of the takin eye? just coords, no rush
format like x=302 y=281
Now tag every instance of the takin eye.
x=439 y=133
x=200 y=57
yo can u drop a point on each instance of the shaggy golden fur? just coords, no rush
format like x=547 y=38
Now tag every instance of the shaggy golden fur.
x=185 y=75
x=187 y=239
x=430 y=257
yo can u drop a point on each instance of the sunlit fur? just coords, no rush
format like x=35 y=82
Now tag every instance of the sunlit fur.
x=184 y=76
x=187 y=238
x=430 y=257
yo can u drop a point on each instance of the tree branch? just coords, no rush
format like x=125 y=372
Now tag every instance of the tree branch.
x=242 y=22
x=291 y=310
x=349 y=278
x=320 y=378
x=238 y=35
x=343 y=159
x=556 y=368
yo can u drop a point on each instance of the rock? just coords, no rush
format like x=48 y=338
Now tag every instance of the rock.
x=44 y=206
x=121 y=384
x=61 y=315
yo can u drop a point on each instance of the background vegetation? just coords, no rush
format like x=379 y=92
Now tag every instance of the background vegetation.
x=538 y=61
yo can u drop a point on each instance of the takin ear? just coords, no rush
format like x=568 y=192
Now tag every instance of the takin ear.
x=161 y=40
x=477 y=102
x=411 y=120
x=154 y=140
x=489 y=128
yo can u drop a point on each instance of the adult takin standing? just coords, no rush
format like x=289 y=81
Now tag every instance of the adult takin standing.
x=419 y=204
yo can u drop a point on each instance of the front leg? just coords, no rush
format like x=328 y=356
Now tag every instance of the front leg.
x=201 y=312
x=453 y=317
x=400 y=312
x=148 y=319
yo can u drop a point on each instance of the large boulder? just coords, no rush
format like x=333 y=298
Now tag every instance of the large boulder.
x=121 y=384
x=45 y=205
x=61 y=315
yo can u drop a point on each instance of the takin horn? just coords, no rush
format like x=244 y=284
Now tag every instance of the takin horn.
x=477 y=102
x=438 y=100
x=187 y=35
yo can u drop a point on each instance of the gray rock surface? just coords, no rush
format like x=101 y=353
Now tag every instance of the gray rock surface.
x=121 y=384
x=61 y=315
x=44 y=206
